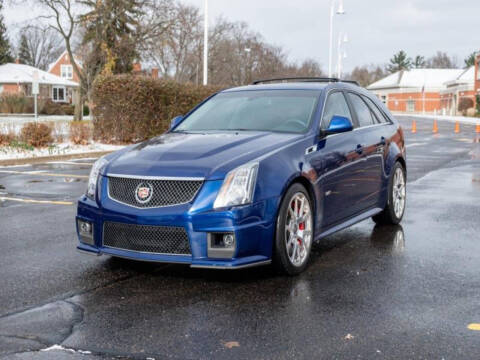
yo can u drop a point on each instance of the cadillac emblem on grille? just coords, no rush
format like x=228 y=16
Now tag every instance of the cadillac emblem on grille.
x=143 y=192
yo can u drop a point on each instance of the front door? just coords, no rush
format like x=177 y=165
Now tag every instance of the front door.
x=336 y=163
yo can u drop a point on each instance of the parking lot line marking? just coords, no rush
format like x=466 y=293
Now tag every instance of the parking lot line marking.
x=43 y=174
x=31 y=201
x=474 y=326
x=70 y=163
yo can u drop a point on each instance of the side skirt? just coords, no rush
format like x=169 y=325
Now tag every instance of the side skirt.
x=349 y=222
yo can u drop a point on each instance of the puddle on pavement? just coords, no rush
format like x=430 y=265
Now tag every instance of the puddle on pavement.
x=2 y=187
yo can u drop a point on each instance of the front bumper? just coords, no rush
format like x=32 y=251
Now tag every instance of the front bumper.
x=253 y=226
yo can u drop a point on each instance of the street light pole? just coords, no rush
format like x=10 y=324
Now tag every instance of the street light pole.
x=341 y=53
x=340 y=11
x=205 y=46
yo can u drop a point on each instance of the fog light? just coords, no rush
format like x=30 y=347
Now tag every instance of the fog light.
x=85 y=231
x=228 y=240
x=221 y=245
x=85 y=228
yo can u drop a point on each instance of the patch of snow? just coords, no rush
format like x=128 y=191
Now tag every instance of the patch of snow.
x=61 y=348
x=417 y=78
x=20 y=73
x=8 y=152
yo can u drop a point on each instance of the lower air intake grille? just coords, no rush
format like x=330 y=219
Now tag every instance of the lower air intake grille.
x=144 y=238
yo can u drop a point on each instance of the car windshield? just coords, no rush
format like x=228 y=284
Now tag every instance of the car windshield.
x=272 y=110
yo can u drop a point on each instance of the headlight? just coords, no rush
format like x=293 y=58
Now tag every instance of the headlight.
x=93 y=179
x=238 y=186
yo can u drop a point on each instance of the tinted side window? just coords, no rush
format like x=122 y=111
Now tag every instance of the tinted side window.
x=364 y=114
x=335 y=105
x=378 y=114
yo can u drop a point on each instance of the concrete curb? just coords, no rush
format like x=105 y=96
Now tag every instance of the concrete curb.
x=43 y=159
x=460 y=119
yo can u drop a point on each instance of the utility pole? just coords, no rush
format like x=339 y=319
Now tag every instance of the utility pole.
x=205 y=46
x=35 y=92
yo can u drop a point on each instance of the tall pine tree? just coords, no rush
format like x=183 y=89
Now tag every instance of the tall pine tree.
x=111 y=28
x=399 y=61
x=5 y=50
x=24 y=54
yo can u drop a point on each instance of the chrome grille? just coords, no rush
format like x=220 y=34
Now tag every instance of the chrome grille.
x=145 y=238
x=165 y=192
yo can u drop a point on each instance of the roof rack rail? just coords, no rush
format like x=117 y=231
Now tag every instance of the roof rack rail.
x=304 y=79
x=351 y=82
x=299 y=79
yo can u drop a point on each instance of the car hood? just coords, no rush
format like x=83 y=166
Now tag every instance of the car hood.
x=205 y=155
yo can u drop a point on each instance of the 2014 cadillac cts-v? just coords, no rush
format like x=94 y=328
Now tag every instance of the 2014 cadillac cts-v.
x=252 y=175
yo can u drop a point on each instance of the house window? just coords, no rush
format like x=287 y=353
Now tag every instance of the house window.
x=59 y=93
x=410 y=105
x=66 y=71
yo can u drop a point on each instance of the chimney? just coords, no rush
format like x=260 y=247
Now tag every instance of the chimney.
x=137 y=67
x=17 y=61
x=155 y=73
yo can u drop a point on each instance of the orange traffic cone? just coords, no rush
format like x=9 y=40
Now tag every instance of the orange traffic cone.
x=435 y=127
x=414 y=127
x=477 y=129
x=457 y=127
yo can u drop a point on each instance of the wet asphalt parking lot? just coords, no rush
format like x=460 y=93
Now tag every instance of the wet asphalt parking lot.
x=403 y=292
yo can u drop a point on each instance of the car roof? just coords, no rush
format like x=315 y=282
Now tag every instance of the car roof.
x=306 y=85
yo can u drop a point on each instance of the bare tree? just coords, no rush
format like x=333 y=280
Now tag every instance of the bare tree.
x=62 y=17
x=441 y=60
x=173 y=50
x=367 y=74
x=237 y=55
x=43 y=44
x=108 y=32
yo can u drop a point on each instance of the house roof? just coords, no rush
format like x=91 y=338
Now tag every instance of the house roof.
x=19 y=73
x=417 y=78
x=77 y=60
x=466 y=77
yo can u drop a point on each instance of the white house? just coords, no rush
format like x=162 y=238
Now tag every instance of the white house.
x=18 y=78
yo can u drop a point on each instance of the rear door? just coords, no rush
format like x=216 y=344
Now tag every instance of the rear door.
x=370 y=148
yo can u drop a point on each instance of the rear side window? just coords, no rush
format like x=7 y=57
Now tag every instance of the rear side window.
x=336 y=105
x=378 y=114
x=364 y=115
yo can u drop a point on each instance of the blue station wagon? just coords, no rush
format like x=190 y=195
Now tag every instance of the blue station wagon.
x=251 y=176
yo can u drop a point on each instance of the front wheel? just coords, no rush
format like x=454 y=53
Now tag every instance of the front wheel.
x=294 y=232
x=395 y=208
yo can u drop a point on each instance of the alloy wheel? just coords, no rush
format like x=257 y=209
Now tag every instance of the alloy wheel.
x=298 y=229
x=399 y=192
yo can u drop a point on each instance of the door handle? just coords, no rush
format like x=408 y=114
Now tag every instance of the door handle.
x=383 y=141
x=359 y=149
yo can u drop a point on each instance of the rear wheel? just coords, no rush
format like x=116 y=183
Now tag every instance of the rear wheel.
x=395 y=208
x=294 y=233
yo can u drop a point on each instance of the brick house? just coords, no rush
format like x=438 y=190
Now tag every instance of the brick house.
x=18 y=78
x=63 y=67
x=415 y=91
x=462 y=87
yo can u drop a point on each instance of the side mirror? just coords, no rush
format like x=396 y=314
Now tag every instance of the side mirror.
x=175 y=121
x=339 y=124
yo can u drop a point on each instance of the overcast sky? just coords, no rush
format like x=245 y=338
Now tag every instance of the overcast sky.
x=376 y=28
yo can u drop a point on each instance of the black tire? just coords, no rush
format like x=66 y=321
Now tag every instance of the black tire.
x=281 y=260
x=388 y=215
